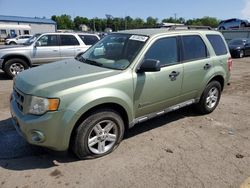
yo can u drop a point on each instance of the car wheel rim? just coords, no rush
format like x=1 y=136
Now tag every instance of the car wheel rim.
x=103 y=137
x=241 y=54
x=212 y=97
x=15 y=68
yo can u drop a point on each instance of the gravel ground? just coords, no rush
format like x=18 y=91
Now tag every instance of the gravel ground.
x=180 y=149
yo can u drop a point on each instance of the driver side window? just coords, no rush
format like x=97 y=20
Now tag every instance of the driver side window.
x=164 y=50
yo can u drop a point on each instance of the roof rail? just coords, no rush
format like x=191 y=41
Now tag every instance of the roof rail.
x=187 y=27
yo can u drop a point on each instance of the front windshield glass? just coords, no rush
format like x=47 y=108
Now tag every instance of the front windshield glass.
x=115 y=51
x=236 y=42
x=32 y=39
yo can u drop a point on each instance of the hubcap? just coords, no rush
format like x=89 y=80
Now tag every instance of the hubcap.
x=15 y=68
x=102 y=137
x=241 y=54
x=212 y=97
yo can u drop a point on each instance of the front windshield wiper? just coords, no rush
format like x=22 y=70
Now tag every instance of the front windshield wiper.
x=88 y=61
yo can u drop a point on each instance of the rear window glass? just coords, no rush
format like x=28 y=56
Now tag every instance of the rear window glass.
x=69 y=40
x=218 y=44
x=89 y=39
x=193 y=48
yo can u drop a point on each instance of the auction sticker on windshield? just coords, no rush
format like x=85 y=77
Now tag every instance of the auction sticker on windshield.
x=139 y=38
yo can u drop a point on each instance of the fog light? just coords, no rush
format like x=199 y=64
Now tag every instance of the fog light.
x=37 y=136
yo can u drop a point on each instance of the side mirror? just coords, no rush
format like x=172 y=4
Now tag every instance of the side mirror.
x=149 y=65
x=38 y=43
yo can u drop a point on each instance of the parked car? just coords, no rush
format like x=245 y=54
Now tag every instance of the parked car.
x=21 y=39
x=239 y=47
x=44 y=48
x=233 y=23
x=126 y=78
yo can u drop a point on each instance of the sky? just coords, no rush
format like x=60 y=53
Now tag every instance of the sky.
x=188 y=9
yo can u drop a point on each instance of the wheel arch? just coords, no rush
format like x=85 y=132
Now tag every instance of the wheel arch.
x=112 y=106
x=219 y=79
x=13 y=56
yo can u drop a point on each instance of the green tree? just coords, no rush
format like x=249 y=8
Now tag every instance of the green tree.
x=63 y=22
x=151 y=22
x=205 y=21
x=81 y=20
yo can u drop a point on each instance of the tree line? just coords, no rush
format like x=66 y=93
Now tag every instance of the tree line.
x=100 y=24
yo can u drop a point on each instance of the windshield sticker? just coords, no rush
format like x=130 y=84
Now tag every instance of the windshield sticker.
x=138 y=37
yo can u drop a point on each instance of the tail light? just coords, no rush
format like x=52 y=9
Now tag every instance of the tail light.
x=230 y=63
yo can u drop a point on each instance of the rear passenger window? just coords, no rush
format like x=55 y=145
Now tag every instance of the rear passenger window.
x=89 y=39
x=193 y=48
x=68 y=40
x=164 y=50
x=218 y=44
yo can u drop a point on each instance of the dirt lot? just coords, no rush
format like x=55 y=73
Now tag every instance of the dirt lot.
x=179 y=149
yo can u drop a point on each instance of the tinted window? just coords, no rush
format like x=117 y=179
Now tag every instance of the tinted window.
x=164 y=50
x=68 y=40
x=193 y=48
x=218 y=44
x=48 y=40
x=89 y=39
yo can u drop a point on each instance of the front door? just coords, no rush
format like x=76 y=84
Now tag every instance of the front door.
x=46 y=50
x=155 y=91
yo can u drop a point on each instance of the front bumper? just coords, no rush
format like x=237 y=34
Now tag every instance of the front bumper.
x=235 y=52
x=47 y=130
x=1 y=63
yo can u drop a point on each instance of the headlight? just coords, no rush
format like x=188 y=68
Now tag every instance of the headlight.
x=39 y=105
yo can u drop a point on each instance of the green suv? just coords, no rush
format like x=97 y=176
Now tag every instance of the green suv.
x=128 y=77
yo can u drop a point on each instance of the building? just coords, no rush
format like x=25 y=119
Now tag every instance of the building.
x=36 y=25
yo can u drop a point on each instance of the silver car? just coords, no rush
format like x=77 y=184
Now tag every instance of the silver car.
x=44 y=48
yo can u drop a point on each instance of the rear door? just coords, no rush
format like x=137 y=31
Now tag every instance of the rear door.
x=68 y=46
x=197 y=65
x=46 y=49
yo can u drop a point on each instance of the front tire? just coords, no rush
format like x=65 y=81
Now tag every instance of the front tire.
x=241 y=54
x=14 y=66
x=98 y=135
x=210 y=98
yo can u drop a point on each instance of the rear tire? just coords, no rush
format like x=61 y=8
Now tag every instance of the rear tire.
x=210 y=98
x=15 y=66
x=98 y=135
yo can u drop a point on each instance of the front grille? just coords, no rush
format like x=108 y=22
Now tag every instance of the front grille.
x=19 y=99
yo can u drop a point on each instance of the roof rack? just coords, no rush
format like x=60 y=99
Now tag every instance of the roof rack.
x=187 y=27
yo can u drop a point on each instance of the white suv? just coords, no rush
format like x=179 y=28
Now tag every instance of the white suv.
x=44 y=48
x=21 y=39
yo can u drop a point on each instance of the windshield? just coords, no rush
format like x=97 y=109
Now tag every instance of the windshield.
x=115 y=51
x=32 y=39
x=237 y=42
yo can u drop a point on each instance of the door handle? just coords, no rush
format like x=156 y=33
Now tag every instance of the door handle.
x=173 y=75
x=207 y=66
x=55 y=50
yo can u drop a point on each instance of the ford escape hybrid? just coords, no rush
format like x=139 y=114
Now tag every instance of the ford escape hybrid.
x=128 y=77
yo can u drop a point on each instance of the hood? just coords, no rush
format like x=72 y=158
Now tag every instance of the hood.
x=232 y=47
x=57 y=76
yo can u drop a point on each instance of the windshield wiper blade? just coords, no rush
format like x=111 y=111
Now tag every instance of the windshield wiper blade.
x=92 y=62
x=88 y=61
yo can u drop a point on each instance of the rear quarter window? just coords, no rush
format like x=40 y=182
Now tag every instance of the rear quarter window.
x=218 y=44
